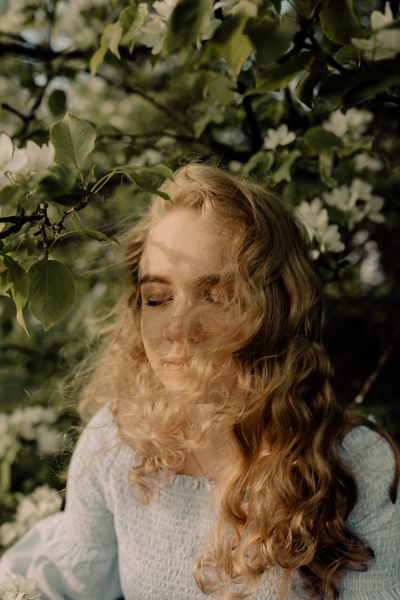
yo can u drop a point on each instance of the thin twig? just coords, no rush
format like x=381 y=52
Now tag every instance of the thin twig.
x=359 y=399
x=6 y=106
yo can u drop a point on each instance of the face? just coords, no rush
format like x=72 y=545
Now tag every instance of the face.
x=179 y=269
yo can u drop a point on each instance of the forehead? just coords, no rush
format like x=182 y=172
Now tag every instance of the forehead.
x=185 y=243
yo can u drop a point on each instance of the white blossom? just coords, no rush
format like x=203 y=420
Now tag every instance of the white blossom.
x=147 y=157
x=10 y=533
x=384 y=42
x=22 y=161
x=25 y=420
x=235 y=166
x=48 y=440
x=365 y=161
x=149 y=28
x=278 y=137
x=12 y=18
x=39 y=158
x=349 y=125
x=370 y=268
x=316 y=222
x=70 y=27
x=15 y=587
x=379 y=20
x=6 y=149
x=232 y=7
x=42 y=502
x=356 y=201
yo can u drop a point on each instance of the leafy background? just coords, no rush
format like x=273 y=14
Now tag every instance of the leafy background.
x=100 y=100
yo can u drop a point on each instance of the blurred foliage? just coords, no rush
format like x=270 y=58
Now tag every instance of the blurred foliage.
x=100 y=100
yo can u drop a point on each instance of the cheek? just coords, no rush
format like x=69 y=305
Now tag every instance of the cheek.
x=152 y=327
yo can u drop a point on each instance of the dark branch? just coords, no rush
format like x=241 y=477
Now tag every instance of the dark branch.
x=19 y=221
x=13 y=110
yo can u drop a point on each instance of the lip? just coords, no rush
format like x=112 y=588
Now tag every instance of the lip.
x=176 y=362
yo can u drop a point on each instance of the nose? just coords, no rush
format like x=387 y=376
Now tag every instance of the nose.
x=175 y=327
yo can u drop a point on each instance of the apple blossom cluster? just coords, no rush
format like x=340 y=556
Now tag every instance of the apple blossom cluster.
x=366 y=162
x=278 y=137
x=384 y=41
x=150 y=26
x=315 y=220
x=32 y=423
x=16 y=162
x=16 y=587
x=42 y=502
x=356 y=202
x=349 y=126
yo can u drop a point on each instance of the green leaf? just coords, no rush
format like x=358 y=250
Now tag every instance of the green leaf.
x=114 y=33
x=134 y=175
x=348 y=55
x=371 y=86
x=18 y=284
x=212 y=115
x=339 y=21
x=325 y=161
x=52 y=291
x=332 y=90
x=99 y=236
x=110 y=40
x=73 y=140
x=57 y=102
x=58 y=180
x=282 y=172
x=127 y=17
x=260 y=161
x=11 y=194
x=97 y=58
x=305 y=8
x=220 y=87
x=230 y=43
x=318 y=139
x=363 y=143
x=310 y=80
x=186 y=24
x=278 y=76
x=271 y=38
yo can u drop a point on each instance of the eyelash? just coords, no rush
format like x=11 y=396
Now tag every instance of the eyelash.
x=154 y=303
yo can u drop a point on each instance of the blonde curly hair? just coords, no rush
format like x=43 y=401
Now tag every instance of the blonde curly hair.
x=285 y=422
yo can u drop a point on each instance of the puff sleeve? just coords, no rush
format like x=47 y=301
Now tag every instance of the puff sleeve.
x=374 y=518
x=73 y=553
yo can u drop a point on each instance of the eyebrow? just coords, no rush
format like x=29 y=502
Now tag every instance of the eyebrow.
x=208 y=279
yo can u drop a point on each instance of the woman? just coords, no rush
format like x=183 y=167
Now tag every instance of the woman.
x=219 y=461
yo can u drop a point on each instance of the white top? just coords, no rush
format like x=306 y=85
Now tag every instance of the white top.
x=106 y=545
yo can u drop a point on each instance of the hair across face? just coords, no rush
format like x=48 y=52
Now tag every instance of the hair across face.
x=180 y=270
x=223 y=306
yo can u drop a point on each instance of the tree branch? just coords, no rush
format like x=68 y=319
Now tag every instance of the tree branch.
x=19 y=221
x=14 y=111
x=251 y=118
x=359 y=399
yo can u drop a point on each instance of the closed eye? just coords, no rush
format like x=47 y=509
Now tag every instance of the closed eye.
x=161 y=302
